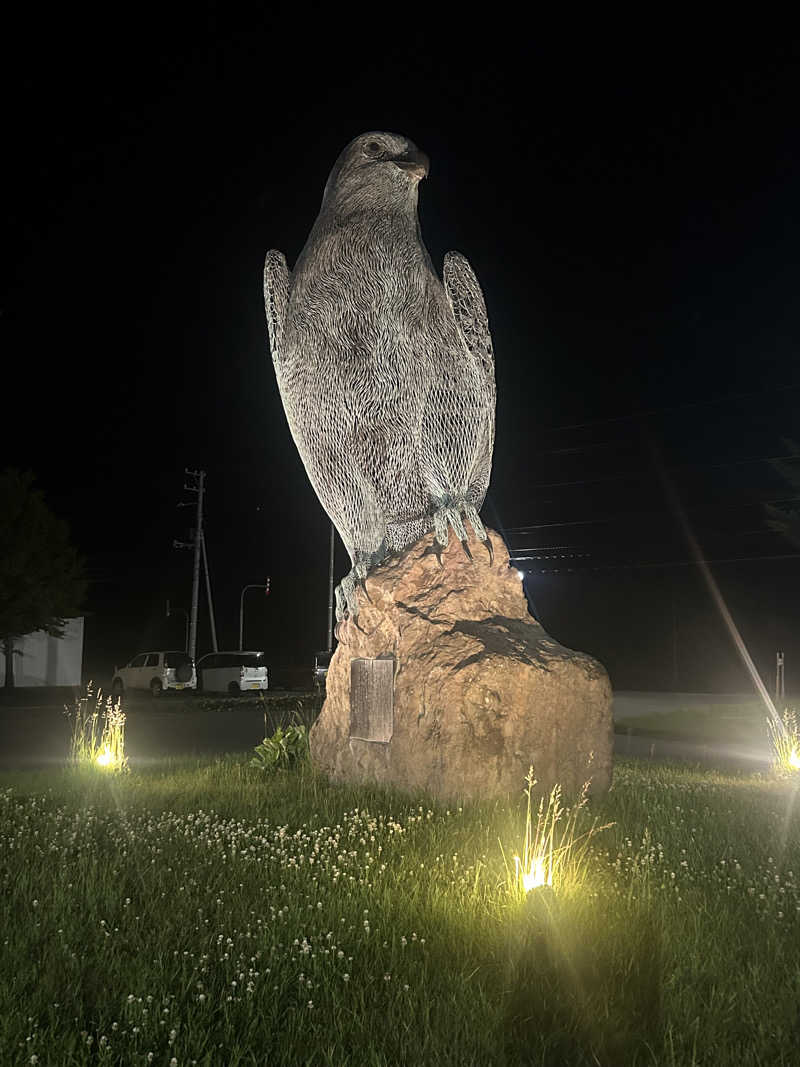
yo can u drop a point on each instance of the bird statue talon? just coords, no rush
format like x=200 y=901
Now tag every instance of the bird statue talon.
x=362 y=584
x=434 y=550
x=465 y=548
x=489 y=549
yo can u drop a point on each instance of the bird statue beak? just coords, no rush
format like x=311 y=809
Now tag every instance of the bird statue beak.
x=416 y=164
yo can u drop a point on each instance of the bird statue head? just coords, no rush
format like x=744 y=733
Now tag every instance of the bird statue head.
x=376 y=169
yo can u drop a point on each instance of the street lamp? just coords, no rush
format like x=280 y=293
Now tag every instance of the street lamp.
x=265 y=587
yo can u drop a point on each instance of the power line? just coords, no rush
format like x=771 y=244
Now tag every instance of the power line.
x=586 y=551
x=617 y=443
x=628 y=516
x=647 y=472
x=514 y=558
x=573 y=522
x=678 y=407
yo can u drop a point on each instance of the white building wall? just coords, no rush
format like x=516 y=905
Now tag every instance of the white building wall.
x=47 y=660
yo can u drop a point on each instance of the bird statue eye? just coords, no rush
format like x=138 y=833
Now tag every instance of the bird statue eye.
x=373 y=147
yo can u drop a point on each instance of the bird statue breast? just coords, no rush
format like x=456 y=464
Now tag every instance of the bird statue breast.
x=386 y=374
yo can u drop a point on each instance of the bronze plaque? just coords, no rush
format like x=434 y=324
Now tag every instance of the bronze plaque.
x=372 y=699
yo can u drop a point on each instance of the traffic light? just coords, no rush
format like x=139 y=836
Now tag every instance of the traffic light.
x=266 y=587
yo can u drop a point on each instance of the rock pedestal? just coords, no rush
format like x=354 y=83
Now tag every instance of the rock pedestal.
x=449 y=685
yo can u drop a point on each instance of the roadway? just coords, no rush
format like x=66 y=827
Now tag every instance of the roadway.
x=37 y=735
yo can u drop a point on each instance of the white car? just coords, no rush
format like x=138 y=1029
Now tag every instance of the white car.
x=232 y=672
x=155 y=671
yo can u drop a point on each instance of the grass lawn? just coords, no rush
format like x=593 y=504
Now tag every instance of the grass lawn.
x=201 y=912
x=710 y=724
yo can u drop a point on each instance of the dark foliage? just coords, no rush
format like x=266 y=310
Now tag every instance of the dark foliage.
x=42 y=580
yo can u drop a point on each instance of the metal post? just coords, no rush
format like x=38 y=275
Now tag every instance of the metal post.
x=198 y=539
x=254 y=585
x=779 y=686
x=330 y=594
x=208 y=594
x=674 y=640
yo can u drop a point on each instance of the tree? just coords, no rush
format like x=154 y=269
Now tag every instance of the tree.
x=42 y=581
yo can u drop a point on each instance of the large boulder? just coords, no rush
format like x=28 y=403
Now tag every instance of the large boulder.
x=448 y=684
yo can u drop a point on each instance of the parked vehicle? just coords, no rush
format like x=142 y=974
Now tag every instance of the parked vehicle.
x=321 y=663
x=232 y=672
x=155 y=671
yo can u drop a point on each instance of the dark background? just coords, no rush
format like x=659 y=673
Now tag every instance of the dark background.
x=628 y=196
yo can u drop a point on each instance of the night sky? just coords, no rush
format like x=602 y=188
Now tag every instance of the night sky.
x=629 y=202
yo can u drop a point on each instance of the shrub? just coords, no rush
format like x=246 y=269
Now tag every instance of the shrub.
x=286 y=748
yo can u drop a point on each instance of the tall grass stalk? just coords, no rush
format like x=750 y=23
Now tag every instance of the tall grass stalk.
x=97 y=732
x=785 y=742
x=553 y=850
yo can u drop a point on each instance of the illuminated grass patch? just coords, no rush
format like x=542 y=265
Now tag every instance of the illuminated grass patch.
x=97 y=733
x=206 y=913
x=553 y=850
x=785 y=741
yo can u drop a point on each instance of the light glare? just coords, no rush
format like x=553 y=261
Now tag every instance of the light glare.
x=540 y=874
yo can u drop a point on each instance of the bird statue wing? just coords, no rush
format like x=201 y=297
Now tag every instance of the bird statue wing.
x=466 y=299
x=276 y=302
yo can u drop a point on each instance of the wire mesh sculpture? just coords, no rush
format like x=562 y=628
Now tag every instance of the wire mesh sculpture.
x=386 y=375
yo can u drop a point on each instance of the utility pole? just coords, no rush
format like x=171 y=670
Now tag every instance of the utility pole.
x=199 y=488
x=208 y=594
x=330 y=594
